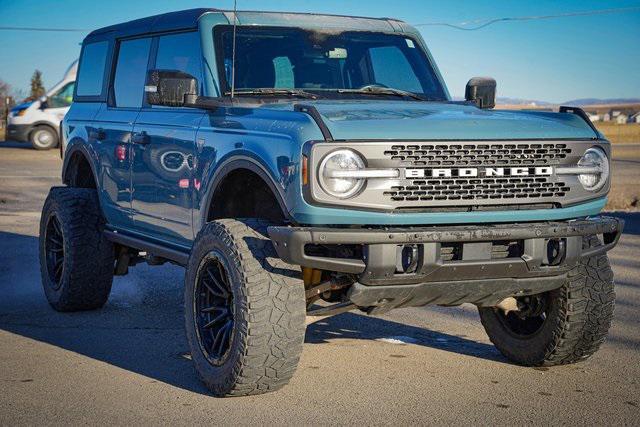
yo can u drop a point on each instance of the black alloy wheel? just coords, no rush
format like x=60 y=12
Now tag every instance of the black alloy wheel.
x=530 y=317
x=213 y=309
x=54 y=249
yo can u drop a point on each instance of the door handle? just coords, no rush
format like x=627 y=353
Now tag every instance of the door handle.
x=98 y=134
x=140 y=138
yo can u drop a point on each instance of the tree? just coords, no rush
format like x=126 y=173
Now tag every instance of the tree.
x=5 y=100
x=37 y=88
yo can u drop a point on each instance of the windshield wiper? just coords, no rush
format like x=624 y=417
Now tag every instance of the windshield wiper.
x=274 y=92
x=379 y=90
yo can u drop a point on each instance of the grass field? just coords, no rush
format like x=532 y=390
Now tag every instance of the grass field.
x=628 y=133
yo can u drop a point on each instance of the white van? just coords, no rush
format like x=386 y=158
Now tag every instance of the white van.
x=39 y=121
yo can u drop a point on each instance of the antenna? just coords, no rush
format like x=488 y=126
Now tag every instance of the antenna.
x=233 y=49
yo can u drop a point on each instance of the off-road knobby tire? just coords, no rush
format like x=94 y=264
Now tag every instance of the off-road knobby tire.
x=88 y=264
x=269 y=310
x=577 y=321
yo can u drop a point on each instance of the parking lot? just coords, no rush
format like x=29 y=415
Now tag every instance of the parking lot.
x=129 y=362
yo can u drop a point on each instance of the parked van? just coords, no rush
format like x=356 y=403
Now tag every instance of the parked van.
x=38 y=121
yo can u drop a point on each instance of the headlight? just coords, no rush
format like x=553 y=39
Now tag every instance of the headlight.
x=596 y=159
x=330 y=170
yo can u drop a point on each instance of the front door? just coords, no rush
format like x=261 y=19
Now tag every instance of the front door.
x=164 y=149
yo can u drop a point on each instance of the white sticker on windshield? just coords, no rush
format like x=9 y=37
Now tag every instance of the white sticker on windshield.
x=410 y=43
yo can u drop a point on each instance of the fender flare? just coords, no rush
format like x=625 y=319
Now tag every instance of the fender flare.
x=235 y=163
x=72 y=149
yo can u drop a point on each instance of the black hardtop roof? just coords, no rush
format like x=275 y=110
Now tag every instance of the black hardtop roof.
x=183 y=20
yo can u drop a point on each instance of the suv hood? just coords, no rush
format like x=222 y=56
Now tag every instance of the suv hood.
x=438 y=120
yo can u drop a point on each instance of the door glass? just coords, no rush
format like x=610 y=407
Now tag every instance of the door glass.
x=91 y=69
x=131 y=72
x=63 y=97
x=180 y=52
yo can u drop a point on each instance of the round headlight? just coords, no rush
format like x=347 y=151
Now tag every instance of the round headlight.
x=595 y=158
x=344 y=161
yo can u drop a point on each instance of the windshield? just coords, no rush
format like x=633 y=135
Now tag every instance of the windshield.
x=323 y=62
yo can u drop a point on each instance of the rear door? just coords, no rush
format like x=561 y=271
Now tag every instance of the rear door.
x=164 y=149
x=114 y=125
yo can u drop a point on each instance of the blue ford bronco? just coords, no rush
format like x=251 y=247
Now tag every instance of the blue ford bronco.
x=306 y=165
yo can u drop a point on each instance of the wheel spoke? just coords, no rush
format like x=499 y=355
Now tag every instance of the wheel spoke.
x=222 y=292
x=58 y=270
x=55 y=240
x=56 y=225
x=213 y=308
x=213 y=291
x=219 y=339
x=215 y=320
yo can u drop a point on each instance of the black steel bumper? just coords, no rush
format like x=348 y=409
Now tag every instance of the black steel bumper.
x=18 y=132
x=475 y=276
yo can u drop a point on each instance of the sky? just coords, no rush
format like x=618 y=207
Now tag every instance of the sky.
x=552 y=60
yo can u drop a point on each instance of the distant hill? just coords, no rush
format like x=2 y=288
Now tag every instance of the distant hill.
x=599 y=101
x=517 y=101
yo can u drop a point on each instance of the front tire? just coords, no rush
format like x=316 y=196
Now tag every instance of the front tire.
x=562 y=326
x=43 y=138
x=244 y=310
x=76 y=260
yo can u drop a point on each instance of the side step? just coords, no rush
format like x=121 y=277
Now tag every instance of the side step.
x=173 y=255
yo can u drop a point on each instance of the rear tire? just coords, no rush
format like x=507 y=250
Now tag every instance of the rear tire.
x=571 y=327
x=76 y=260
x=244 y=310
x=43 y=138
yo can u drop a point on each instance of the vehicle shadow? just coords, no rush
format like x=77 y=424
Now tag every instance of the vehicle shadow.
x=15 y=144
x=140 y=329
x=631 y=219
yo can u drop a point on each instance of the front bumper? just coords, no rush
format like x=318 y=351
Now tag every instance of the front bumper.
x=473 y=274
x=18 y=132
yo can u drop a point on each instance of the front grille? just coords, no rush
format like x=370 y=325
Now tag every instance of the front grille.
x=516 y=189
x=505 y=188
x=441 y=155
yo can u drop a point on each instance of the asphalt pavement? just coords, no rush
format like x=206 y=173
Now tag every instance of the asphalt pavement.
x=129 y=363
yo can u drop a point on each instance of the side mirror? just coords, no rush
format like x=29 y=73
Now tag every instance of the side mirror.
x=169 y=87
x=43 y=102
x=482 y=91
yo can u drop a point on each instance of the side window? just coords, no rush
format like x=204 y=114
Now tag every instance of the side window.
x=180 y=52
x=391 y=68
x=91 y=69
x=63 y=97
x=131 y=72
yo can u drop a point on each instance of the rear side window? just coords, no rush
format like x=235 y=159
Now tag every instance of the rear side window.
x=180 y=52
x=131 y=71
x=91 y=69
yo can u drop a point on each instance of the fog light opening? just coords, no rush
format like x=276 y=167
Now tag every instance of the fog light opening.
x=556 y=251
x=407 y=259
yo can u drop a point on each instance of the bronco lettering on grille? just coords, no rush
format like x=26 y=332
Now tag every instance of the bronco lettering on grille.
x=472 y=172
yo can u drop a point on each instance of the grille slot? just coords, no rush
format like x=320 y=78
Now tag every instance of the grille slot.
x=500 y=249
x=504 y=188
x=512 y=154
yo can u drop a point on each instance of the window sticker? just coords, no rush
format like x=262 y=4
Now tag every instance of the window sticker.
x=410 y=43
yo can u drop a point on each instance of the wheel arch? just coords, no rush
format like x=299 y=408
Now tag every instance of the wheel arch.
x=76 y=159
x=235 y=164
